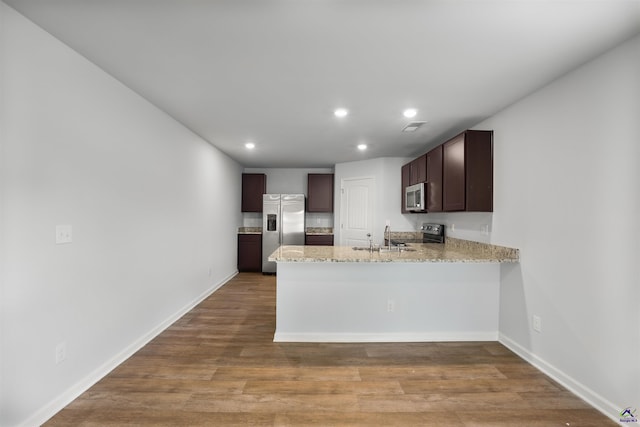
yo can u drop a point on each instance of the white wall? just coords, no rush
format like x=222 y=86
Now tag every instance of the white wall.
x=143 y=194
x=476 y=226
x=386 y=172
x=567 y=173
x=2 y=221
x=289 y=181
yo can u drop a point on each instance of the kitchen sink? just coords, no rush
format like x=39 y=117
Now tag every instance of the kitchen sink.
x=384 y=249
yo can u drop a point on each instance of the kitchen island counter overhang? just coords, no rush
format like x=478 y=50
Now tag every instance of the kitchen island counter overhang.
x=433 y=292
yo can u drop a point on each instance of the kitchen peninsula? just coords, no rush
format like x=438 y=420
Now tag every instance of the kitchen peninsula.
x=429 y=292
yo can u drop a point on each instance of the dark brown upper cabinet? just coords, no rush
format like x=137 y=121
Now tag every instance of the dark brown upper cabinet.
x=433 y=187
x=467 y=172
x=320 y=192
x=254 y=185
x=406 y=177
x=414 y=172
x=418 y=170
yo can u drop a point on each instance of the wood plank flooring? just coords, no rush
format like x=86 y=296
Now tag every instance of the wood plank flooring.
x=218 y=366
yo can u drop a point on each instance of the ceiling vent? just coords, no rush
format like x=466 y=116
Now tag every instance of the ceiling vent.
x=412 y=126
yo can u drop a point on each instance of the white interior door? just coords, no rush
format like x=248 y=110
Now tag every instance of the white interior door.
x=356 y=216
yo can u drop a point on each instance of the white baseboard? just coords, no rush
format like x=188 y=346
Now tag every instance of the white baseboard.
x=585 y=393
x=68 y=396
x=384 y=337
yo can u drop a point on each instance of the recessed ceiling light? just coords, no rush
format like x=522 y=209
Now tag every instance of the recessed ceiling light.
x=362 y=147
x=410 y=112
x=250 y=145
x=341 y=112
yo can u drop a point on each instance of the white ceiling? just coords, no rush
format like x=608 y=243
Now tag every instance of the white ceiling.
x=273 y=71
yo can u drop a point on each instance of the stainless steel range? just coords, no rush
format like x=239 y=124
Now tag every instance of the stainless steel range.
x=432 y=233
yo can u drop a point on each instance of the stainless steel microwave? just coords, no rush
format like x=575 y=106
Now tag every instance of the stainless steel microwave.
x=414 y=197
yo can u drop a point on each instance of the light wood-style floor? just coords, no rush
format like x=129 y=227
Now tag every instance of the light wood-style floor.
x=218 y=366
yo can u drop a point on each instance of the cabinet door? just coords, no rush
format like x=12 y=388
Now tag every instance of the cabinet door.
x=418 y=170
x=433 y=187
x=254 y=185
x=406 y=176
x=249 y=252
x=320 y=192
x=479 y=171
x=453 y=174
x=319 y=240
x=468 y=172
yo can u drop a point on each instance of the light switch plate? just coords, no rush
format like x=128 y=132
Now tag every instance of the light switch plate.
x=537 y=323
x=61 y=352
x=64 y=234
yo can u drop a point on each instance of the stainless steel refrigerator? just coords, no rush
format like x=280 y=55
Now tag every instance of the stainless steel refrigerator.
x=282 y=224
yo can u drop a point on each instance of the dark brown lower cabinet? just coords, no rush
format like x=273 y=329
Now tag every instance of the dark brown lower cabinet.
x=249 y=252
x=318 y=240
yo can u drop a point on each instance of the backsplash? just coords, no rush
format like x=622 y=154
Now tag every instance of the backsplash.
x=475 y=226
x=312 y=219
x=405 y=235
x=316 y=219
x=249 y=230
x=252 y=219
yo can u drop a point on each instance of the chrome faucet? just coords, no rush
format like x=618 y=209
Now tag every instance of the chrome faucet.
x=387 y=232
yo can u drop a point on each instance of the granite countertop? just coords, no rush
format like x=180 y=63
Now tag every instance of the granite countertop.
x=249 y=230
x=311 y=231
x=454 y=250
x=319 y=231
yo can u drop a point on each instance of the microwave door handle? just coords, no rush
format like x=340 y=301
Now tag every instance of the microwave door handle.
x=426 y=195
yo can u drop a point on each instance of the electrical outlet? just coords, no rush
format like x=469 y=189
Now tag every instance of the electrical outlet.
x=64 y=234
x=61 y=352
x=485 y=229
x=537 y=323
x=391 y=306
x=452 y=227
